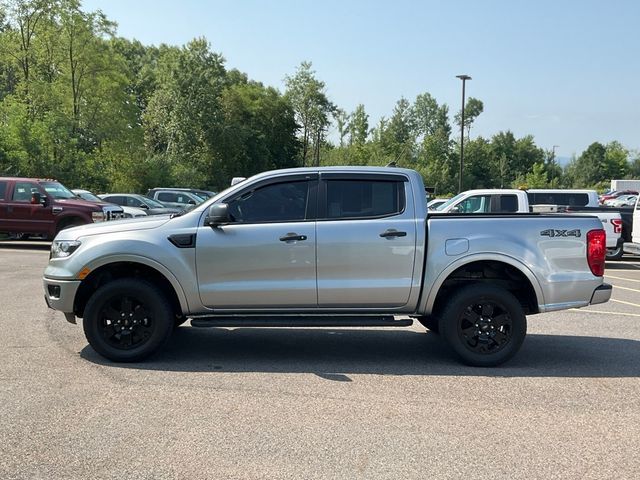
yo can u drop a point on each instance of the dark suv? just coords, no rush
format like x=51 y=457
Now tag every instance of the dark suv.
x=34 y=206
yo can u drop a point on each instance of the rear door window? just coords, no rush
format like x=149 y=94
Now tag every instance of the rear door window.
x=364 y=198
x=168 y=197
x=3 y=190
x=508 y=203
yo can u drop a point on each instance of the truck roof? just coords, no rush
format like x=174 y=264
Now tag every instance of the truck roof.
x=299 y=170
x=29 y=179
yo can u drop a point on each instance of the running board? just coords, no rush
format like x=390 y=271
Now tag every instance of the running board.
x=301 y=321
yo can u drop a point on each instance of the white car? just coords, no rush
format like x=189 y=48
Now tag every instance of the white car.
x=129 y=212
x=435 y=203
x=622 y=201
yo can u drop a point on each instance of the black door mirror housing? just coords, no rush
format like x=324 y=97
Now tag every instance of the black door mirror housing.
x=218 y=215
x=38 y=199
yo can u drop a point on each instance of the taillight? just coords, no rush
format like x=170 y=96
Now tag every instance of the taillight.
x=596 y=251
x=617 y=225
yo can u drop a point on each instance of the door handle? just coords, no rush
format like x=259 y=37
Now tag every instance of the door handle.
x=292 y=236
x=392 y=233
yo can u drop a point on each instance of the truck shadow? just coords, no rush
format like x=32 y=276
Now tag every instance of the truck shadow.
x=336 y=353
x=24 y=245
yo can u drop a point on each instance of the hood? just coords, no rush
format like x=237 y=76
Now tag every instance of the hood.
x=163 y=211
x=78 y=202
x=140 y=223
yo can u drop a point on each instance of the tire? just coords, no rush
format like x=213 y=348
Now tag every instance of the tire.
x=615 y=253
x=484 y=324
x=127 y=320
x=430 y=323
x=68 y=224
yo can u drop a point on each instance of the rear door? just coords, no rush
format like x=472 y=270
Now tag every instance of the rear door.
x=366 y=240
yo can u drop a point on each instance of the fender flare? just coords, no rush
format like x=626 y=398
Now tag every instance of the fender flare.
x=479 y=257
x=118 y=258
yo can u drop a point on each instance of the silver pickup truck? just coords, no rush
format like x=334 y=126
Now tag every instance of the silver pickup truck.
x=338 y=246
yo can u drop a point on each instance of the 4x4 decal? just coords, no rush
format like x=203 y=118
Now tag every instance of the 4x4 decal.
x=560 y=233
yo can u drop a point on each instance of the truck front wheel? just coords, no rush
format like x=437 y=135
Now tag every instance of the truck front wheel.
x=484 y=324
x=127 y=320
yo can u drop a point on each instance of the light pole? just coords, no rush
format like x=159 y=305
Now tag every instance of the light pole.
x=464 y=78
x=553 y=161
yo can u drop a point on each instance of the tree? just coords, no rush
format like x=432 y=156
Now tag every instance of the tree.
x=342 y=122
x=472 y=110
x=312 y=108
x=358 y=126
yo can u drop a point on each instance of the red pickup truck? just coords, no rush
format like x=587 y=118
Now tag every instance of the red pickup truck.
x=43 y=207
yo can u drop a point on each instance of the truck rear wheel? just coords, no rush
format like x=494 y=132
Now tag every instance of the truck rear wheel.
x=127 y=320
x=484 y=324
x=615 y=253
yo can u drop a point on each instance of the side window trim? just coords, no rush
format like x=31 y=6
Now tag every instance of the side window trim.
x=323 y=194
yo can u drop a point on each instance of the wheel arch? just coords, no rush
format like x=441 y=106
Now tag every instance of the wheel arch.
x=106 y=269
x=502 y=269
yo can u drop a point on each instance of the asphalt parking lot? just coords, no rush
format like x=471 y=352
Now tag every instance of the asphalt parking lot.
x=317 y=403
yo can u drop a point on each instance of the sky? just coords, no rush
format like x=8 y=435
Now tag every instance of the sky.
x=566 y=72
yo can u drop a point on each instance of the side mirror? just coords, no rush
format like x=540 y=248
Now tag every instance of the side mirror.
x=455 y=209
x=218 y=215
x=191 y=202
x=144 y=206
x=38 y=199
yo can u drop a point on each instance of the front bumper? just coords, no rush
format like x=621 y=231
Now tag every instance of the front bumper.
x=60 y=294
x=601 y=294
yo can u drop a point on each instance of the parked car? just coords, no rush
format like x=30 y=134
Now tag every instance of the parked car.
x=149 y=205
x=615 y=194
x=332 y=246
x=178 y=198
x=204 y=194
x=129 y=212
x=44 y=207
x=436 y=202
x=496 y=200
x=622 y=201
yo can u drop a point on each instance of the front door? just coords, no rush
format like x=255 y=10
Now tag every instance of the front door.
x=266 y=257
x=24 y=216
x=366 y=241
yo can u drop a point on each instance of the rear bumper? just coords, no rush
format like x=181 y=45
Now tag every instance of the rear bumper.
x=60 y=294
x=632 y=248
x=601 y=294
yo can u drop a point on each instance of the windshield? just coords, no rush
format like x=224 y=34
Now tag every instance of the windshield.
x=449 y=202
x=57 y=190
x=152 y=203
x=90 y=197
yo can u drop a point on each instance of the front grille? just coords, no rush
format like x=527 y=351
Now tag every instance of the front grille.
x=114 y=215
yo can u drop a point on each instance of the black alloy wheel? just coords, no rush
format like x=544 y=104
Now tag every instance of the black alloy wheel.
x=484 y=324
x=127 y=320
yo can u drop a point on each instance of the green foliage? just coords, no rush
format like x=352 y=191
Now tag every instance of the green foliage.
x=110 y=114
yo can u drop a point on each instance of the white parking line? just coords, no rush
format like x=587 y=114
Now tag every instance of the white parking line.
x=622 y=278
x=606 y=313
x=626 y=303
x=626 y=288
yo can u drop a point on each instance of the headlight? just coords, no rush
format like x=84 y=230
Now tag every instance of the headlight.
x=97 y=216
x=63 y=248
